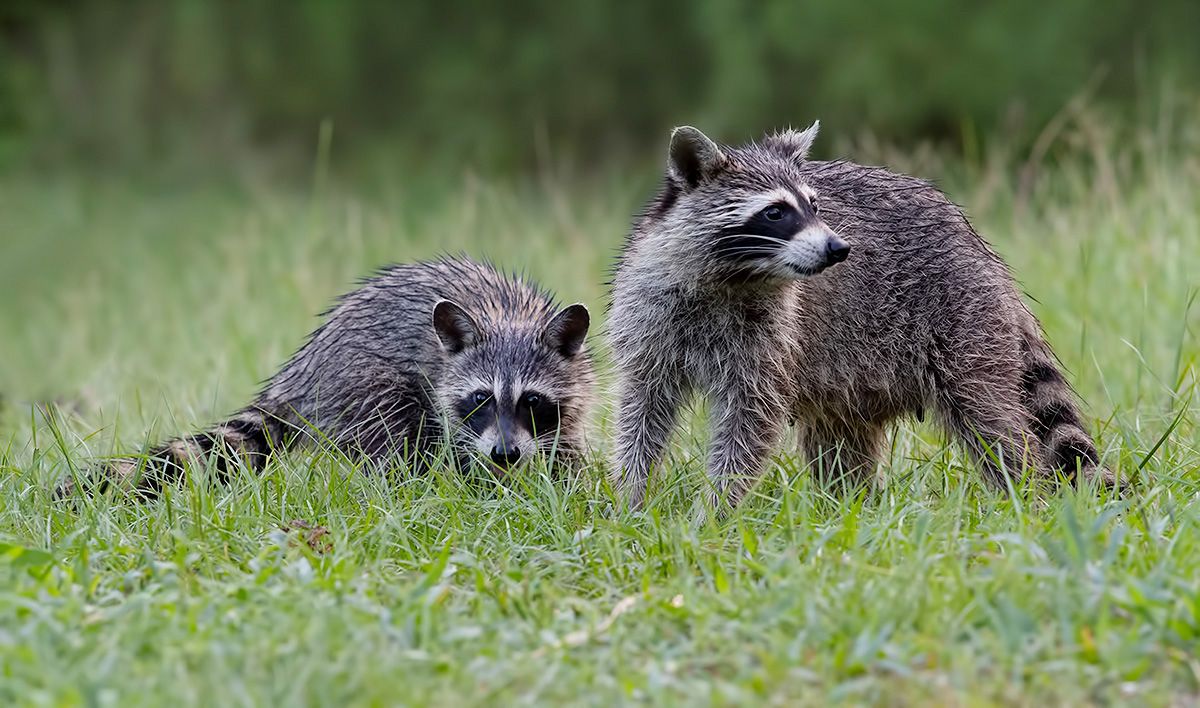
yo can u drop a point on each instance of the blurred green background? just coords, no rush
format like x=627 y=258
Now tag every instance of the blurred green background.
x=184 y=185
x=162 y=164
x=503 y=87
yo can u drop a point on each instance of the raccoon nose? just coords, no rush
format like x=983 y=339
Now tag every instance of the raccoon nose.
x=503 y=456
x=837 y=250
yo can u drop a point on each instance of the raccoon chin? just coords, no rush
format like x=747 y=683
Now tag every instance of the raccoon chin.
x=799 y=270
x=804 y=271
x=778 y=270
x=474 y=463
x=473 y=466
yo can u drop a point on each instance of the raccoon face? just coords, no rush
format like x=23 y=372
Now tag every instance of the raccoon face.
x=747 y=211
x=509 y=393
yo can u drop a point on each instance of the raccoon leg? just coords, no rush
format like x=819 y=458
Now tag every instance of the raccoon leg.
x=401 y=431
x=745 y=430
x=647 y=414
x=840 y=453
x=986 y=415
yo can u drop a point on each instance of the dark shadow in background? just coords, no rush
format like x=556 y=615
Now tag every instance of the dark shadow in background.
x=491 y=83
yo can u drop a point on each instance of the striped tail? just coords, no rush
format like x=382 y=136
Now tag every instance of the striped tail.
x=1055 y=416
x=250 y=436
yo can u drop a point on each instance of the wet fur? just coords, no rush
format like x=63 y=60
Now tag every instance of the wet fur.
x=922 y=317
x=376 y=381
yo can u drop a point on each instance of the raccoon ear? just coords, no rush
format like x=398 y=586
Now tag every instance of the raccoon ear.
x=567 y=330
x=455 y=328
x=797 y=144
x=693 y=157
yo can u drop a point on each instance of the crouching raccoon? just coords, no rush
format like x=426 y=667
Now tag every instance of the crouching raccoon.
x=420 y=356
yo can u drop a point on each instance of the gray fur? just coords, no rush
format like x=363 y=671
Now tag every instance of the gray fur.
x=922 y=316
x=389 y=370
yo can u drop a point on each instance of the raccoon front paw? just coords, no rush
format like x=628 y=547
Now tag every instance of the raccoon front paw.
x=64 y=490
x=1103 y=478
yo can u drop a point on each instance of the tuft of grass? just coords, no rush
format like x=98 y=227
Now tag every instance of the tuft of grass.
x=131 y=312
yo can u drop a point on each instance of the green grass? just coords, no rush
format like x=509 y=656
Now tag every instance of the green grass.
x=132 y=310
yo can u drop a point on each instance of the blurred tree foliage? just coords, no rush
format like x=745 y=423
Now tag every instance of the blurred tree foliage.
x=493 y=83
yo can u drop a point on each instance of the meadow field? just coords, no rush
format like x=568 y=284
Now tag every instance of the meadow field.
x=133 y=308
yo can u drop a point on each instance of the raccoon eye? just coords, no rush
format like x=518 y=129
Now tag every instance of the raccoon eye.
x=531 y=399
x=815 y=207
x=480 y=397
x=773 y=213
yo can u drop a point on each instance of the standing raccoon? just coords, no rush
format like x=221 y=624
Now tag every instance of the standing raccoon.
x=413 y=350
x=717 y=291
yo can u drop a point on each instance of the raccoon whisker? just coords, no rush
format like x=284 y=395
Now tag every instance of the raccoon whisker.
x=728 y=277
x=752 y=249
x=772 y=239
x=748 y=235
x=751 y=252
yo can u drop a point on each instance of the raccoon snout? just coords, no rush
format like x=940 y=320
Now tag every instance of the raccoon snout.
x=505 y=456
x=837 y=250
